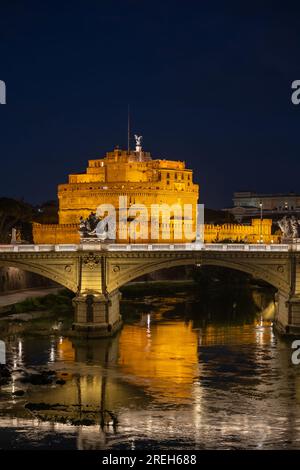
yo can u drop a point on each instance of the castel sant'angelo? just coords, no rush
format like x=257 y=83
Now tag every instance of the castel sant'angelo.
x=133 y=174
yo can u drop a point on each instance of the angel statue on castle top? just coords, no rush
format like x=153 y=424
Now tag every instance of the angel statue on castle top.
x=138 y=142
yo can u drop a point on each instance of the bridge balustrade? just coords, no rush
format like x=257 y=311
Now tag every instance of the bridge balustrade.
x=150 y=247
x=45 y=248
x=214 y=246
x=258 y=247
x=118 y=247
x=235 y=247
x=66 y=247
x=139 y=247
x=162 y=247
x=25 y=248
x=6 y=248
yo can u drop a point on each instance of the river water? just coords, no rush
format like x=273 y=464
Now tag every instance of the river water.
x=170 y=379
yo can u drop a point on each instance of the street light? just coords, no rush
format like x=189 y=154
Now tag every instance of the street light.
x=261 y=219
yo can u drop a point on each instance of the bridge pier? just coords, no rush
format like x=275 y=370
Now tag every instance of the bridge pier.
x=287 y=316
x=97 y=315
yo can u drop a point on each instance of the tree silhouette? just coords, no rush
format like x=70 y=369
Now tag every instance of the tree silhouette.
x=14 y=213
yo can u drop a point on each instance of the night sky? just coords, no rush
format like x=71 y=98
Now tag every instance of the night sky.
x=207 y=82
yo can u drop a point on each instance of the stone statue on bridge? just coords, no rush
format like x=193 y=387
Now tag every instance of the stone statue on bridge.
x=96 y=228
x=15 y=236
x=289 y=227
x=295 y=227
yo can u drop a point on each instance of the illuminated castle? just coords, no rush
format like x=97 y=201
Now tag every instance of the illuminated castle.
x=135 y=176
x=131 y=174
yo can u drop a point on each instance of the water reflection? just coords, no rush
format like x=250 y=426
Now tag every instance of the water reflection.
x=169 y=378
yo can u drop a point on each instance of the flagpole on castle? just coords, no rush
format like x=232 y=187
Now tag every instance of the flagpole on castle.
x=128 y=129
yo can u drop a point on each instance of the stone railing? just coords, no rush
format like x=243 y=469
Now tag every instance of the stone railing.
x=151 y=247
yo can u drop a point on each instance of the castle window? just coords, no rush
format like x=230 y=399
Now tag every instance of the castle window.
x=168 y=175
x=175 y=176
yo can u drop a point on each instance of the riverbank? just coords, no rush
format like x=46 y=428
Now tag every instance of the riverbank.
x=49 y=313
x=7 y=300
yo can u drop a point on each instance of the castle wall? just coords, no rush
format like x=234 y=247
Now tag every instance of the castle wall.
x=55 y=234
x=254 y=233
x=59 y=234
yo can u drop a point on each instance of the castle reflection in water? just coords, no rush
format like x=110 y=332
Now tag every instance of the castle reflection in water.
x=172 y=380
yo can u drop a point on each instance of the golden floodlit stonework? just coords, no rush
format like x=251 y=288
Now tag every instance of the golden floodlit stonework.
x=142 y=180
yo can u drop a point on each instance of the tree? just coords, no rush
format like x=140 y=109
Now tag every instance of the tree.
x=47 y=213
x=14 y=214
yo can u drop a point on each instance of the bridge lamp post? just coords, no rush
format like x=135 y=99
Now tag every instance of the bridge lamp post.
x=261 y=219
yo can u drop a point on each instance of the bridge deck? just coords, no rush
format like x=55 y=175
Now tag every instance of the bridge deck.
x=145 y=247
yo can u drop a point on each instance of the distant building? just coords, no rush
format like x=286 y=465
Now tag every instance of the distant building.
x=247 y=204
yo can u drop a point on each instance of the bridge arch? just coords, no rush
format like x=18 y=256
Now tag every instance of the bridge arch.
x=44 y=271
x=266 y=273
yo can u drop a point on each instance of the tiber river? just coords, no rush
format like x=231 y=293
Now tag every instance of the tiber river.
x=183 y=373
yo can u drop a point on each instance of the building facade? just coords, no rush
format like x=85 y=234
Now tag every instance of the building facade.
x=248 y=204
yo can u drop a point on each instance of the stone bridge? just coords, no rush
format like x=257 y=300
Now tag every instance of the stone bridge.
x=94 y=272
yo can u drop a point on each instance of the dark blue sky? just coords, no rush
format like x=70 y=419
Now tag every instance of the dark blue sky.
x=207 y=82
